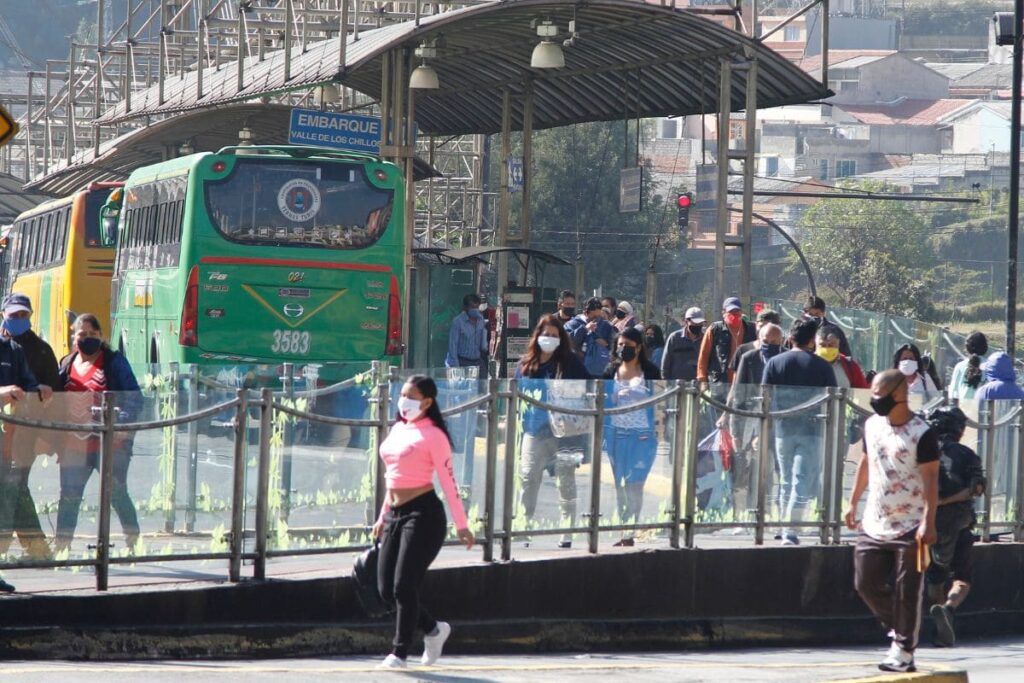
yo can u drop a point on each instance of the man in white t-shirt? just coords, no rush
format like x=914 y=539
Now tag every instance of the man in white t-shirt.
x=900 y=471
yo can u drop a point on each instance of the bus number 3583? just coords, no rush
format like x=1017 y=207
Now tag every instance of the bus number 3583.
x=290 y=341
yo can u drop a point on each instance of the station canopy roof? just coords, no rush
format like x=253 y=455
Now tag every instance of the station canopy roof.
x=630 y=58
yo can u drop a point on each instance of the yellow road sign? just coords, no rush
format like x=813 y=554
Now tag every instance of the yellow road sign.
x=8 y=128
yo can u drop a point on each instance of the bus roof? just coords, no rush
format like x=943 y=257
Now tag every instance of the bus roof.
x=67 y=199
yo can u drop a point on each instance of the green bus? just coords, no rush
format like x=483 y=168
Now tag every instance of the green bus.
x=259 y=254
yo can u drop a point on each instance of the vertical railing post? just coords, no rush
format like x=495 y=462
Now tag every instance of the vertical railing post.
x=508 y=500
x=263 y=483
x=170 y=514
x=238 y=466
x=193 y=449
x=764 y=466
x=839 y=471
x=288 y=386
x=990 y=459
x=595 y=468
x=383 y=400
x=678 y=448
x=106 y=490
x=1018 y=477
x=690 y=462
x=828 y=462
x=490 y=466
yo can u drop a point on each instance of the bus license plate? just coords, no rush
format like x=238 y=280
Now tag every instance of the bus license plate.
x=293 y=342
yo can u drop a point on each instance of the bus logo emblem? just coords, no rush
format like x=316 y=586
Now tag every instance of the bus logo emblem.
x=293 y=310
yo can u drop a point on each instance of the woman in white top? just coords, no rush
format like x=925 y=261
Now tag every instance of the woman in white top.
x=967 y=374
x=907 y=360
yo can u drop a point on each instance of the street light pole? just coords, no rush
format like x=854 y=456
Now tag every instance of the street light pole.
x=1011 y=257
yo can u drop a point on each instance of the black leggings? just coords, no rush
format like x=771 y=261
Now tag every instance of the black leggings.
x=412 y=537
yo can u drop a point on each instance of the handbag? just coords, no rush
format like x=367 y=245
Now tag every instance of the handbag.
x=364 y=575
x=568 y=394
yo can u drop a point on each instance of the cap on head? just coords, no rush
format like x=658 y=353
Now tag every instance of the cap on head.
x=626 y=306
x=694 y=315
x=14 y=303
x=732 y=304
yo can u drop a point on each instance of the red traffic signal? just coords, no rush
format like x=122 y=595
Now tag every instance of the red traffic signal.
x=685 y=201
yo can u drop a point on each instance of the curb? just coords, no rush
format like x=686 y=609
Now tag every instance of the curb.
x=918 y=677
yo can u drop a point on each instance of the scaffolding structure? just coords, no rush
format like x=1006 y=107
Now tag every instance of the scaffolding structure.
x=142 y=43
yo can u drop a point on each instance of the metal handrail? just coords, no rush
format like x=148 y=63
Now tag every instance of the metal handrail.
x=324 y=419
x=781 y=414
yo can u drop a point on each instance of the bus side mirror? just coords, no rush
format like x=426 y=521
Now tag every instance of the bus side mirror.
x=109 y=215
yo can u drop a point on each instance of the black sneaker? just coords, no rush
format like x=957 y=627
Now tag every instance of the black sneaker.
x=6 y=587
x=945 y=636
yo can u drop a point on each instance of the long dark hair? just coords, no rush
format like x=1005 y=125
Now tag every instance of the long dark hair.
x=925 y=366
x=659 y=336
x=428 y=388
x=562 y=355
x=636 y=336
x=977 y=346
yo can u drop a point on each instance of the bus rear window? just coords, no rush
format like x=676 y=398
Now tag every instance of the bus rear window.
x=291 y=204
x=94 y=201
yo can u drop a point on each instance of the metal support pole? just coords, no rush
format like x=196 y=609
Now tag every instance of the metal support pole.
x=828 y=463
x=990 y=444
x=1014 y=227
x=106 y=490
x=47 y=133
x=28 y=131
x=241 y=54
x=170 y=514
x=289 y=17
x=385 y=99
x=259 y=571
x=824 y=43
x=508 y=503
x=690 y=462
x=524 y=216
x=749 y=170
x=162 y=60
x=840 y=469
x=503 y=198
x=491 y=467
x=343 y=34
x=722 y=222
x=98 y=90
x=288 y=385
x=410 y=202
x=69 y=132
x=764 y=466
x=383 y=414
x=200 y=57
x=193 y=450
x=238 y=466
x=679 y=447
x=595 y=468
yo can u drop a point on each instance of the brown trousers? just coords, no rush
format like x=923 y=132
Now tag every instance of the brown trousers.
x=886 y=577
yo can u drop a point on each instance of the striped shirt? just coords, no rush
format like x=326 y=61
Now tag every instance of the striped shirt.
x=466 y=341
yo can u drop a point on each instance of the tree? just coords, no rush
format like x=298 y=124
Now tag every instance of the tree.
x=870 y=254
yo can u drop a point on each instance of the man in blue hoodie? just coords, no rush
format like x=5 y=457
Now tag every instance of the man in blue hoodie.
x=1000 y=379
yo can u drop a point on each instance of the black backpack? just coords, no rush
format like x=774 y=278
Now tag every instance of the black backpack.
x=364 y=575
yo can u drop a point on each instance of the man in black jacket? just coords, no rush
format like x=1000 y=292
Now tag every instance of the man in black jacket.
x=24 y=441
x=679 y=360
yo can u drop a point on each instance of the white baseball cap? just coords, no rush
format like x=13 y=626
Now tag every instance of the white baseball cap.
x=694 y=314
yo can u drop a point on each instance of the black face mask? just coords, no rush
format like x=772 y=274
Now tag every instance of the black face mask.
x=627 y=353
x=884 y=405
x=89 y=345
x=620 y=314
x=568 y=311
x=696 y=329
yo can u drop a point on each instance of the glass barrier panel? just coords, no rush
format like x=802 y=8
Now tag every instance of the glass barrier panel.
x=1002 y=480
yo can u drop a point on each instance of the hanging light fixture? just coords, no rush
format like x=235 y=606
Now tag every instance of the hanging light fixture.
x=424 y=77
x=547 y=54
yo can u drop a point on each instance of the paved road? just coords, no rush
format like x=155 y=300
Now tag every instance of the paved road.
x=985 y=662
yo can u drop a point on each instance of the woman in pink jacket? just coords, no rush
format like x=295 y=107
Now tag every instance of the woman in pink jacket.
x=412 y=525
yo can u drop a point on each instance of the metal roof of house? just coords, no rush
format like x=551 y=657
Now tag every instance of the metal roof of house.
x=905 y=113
x=631 y=57
x=954 y=71
x=988 y=76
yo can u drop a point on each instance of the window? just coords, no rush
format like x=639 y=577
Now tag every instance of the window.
x=846 y=167
x=771 y=166
x=823 y=169
x=151 y=225
x=791 y=33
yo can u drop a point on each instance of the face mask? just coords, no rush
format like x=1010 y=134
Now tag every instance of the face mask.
x=409 y=408
x=482 y=307
x=829 y=353
x=733 y=319
x=884 y=405
x=620 y=314
x=89 y=345
x=908 y=367
x=473 y=314
x=696 y=329
x=769 y=351
x=649 y=341
x=548 y=344
x=17 y=326
x=627 y=353
x=568 y=311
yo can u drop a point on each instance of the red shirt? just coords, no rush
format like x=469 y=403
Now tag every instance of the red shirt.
x=93 y=379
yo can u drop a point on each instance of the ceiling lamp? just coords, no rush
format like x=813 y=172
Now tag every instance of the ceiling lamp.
x=547 y=54
x=424 y=77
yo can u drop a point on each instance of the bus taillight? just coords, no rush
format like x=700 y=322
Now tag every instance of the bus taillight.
x=394 y=344
x=189 y=331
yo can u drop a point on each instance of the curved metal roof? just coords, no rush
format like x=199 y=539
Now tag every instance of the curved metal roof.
x=14 y=200
x=630 y=58
x=206 y=130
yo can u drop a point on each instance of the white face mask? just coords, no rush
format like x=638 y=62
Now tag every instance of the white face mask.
x=548 y=344
x=908 y=367
x=409 y=408
x=482 y=307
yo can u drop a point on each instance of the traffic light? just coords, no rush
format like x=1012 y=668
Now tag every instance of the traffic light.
x=683 y=203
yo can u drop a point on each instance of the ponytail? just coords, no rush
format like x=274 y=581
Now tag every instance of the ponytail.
x=428 y=388
x=974 y=375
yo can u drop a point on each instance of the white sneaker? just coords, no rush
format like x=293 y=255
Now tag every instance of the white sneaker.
x=393 y=661
x=432 y=645
x=898 y=660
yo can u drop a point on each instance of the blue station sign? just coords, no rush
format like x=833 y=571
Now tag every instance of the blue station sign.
x=350 y=132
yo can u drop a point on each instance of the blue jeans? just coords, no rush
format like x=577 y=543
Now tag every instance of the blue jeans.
x=799 y=458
